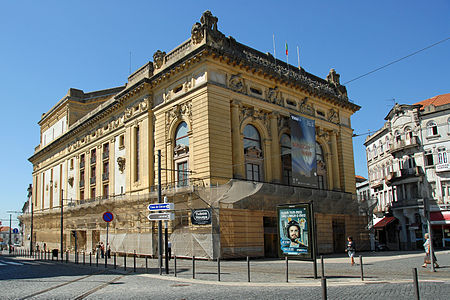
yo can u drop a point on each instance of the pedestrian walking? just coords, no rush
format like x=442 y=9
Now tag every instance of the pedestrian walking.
x=102 y=249
x=169 y=249
x=427 y=248
x=351 y=250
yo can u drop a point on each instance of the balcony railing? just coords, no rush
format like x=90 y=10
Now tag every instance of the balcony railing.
x=92 y=180
x=443 y=167
x=404 y=144
x=105 y=176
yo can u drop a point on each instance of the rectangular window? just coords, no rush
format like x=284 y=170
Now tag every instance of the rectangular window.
x=82 y=157
x=253 y=172
x=182 y=174
x=136 y=153
x=105 y=190
x=93 y=193
x=92 y=178
x=93 y=156
x=82 y=178
x=105 y=154
x=105 y=174
x=429 y=158
x=81 y=194
x=71 y=164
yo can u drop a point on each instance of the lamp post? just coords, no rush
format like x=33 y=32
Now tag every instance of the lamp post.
x=62 y=222
x=10 y=225
x=30 y=194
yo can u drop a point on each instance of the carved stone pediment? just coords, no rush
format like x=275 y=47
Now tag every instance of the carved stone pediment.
x=158 y=59
x=253 y=152
x=180 y=151
x=121 y=164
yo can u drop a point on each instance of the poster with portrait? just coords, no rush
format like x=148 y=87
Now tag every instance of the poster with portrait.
x=295 y=231
x=303 y=151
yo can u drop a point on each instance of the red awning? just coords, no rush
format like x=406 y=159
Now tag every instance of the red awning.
x=384 y=222
x=440 y=217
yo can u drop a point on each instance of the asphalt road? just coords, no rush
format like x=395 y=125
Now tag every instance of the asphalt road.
x=387 y=275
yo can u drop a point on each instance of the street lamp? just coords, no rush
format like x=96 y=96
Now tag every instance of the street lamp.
x=30 y=198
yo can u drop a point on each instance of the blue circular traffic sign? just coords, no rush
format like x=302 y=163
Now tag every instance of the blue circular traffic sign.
x=108 y=216
x=15 y=230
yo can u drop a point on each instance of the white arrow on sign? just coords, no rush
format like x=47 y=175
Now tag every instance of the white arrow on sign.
x=161 y=216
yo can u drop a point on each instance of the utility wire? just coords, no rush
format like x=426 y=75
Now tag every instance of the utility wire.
x=396 y=61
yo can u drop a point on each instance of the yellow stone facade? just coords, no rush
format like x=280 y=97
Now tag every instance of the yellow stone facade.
x=100 y=152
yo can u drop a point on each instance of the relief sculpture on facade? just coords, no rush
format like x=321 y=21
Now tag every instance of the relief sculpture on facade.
x=306 y=108
x=121 y=164
x=274 y=96
x=236 y=83
x=158 y=59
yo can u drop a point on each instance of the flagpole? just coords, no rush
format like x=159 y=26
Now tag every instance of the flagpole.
x=287 y=58
x=274 y=52
x=298 y=57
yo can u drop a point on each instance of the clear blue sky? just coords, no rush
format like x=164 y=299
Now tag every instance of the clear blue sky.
x=47 y=47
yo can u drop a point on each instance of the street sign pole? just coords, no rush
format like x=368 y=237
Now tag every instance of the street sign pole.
x=106 y=246
x=160 y=244
x=166 y=246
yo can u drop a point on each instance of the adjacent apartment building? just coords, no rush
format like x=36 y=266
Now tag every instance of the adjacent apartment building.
x=408 y=168
x=218 y=112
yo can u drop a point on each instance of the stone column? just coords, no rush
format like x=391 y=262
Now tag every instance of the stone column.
x=334 y=155
x=112 y=164
x=238 y=149
x=275 y=148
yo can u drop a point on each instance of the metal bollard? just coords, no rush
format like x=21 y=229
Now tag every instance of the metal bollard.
x=76 y=257
x=416 y=283
x=106 y=259
x=146 y=264
x=90 y=258
x=248 y=269
x=175 y=265
x=125 y=262
x=322 y=266
x=96 y=260
x=362 y=270
x=324 y=288
x=115 y=265
x=193 y=267
x=67 y=257
x=287 y=268
x=218 y=269
x=134 y=262
x=84 y=257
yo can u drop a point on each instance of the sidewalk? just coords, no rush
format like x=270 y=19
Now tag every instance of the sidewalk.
x=378 y=268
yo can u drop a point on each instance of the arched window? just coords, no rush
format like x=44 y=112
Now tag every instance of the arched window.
x=321 y=167
x=408 y=133
x=398 y=136
x=181 y=154
x=286 y=162
x=432 y=128
x=253 y=154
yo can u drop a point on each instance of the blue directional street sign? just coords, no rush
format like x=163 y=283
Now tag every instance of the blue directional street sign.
x=161 y=206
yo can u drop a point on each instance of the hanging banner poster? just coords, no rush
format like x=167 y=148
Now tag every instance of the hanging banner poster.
x=303 y=151
x=295 y=230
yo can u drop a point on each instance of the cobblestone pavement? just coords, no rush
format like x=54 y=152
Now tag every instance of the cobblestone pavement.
x=387 y=274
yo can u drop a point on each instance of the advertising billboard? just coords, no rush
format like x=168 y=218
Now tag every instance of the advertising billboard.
x=295 y=231
x=303 y=151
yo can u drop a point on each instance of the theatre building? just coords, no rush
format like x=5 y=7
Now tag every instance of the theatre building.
x=221 y=115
